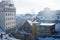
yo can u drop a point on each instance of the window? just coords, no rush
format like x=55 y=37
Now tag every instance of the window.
x=28 y=28
x=6 y=24
x=43 y=28
x=8 y=18
x=6 y=14
x=6 y=27
x=14 y=22
x=12 y=18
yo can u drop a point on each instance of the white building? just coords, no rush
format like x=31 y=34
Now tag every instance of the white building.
x=7 y=16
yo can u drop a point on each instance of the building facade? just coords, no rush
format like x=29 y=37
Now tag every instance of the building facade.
x=7 y=16
x=45 y=29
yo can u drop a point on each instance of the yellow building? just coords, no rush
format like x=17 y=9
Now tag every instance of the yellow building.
x=34 y=28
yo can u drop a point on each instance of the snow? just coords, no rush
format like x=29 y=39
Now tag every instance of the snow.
x=47 y=24
x=48 y=38
x=12 y=38
x=57 y=39
x=3 y=39
x=8 y=38
x=1 y=31
x=23 y=32
x=35 y=22
x=30 y=22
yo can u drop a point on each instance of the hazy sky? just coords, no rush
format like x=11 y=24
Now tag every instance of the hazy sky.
x=25 y=6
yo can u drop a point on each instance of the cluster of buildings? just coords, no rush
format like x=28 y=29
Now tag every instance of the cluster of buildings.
x=45 y=24
x=28 y=26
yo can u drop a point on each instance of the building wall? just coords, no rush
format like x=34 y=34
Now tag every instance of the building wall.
x=34 y=26
x=27 y=27
x=2 y=16
x=7 y=16
x=10 y=18
x=2 y=20
x=45 y=30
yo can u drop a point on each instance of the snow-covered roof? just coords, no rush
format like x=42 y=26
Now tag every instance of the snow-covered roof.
x=6 y=37
x=47 y=24
x=48 y=38
x=24 y=32
x=45 y=38
x=30 y=22
x=36 y=22
x=12 y=38
x=9 y=39
x=21 y=21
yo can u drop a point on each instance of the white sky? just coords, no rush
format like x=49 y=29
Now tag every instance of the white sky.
x=25 y=6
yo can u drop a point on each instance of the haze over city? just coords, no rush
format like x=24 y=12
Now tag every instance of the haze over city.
x=26 y=6
x=29 y=20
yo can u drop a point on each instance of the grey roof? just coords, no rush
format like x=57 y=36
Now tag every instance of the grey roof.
x=24 y=32
x=21 y=21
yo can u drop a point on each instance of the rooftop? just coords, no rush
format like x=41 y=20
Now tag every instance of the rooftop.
x=47 y=24
x=25 y=33
x=48 y=38
x=30 y=22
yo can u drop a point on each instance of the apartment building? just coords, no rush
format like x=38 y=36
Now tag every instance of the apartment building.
x=7 y=16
